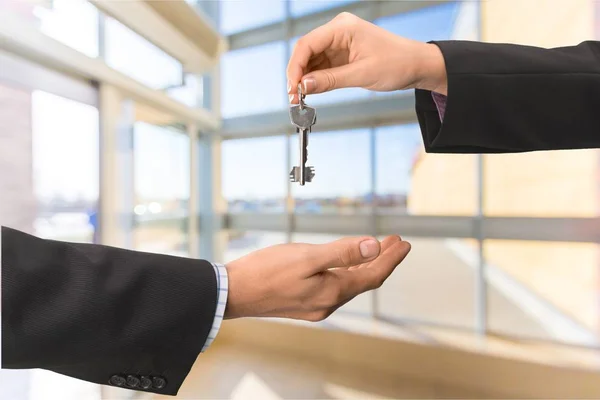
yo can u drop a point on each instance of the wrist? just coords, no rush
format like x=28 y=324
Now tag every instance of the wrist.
x=246 y=293
x=432 y=70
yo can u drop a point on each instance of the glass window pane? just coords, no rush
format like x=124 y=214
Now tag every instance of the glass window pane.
x=342 y=173
x=303 y=7
x=72 y=22
x=543 y=184
x=361 y=304
x=131 y=54
x=253 y=80
x=163 y=238
x=434 y=283
x=410 y=181
x=243 y=162
x=426 y=24
x=546 y=290
x=162 y=188
x=240 y=243
x=430 y=23
x=191 y=93
x=241 y=15
x=65 y=168
x=334 y=96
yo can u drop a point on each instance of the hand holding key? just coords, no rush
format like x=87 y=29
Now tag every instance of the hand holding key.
x=303 y=117
x=351 y=52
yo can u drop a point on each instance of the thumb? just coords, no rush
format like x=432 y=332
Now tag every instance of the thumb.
x=324 y=80
x=346 y=252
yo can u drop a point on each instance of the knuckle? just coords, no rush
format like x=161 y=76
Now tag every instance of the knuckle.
x=300 y=43
x=331 y=80
x=345 y=255
x=346 y=17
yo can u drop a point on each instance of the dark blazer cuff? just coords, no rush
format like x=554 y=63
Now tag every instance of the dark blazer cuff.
x=446 y=135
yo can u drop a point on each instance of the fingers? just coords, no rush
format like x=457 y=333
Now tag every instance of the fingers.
x=388 y=242
x=308 y=46
x=382 y=268
x=385 y=244
x=362 y=279
x=344 y=253
x=349 y=75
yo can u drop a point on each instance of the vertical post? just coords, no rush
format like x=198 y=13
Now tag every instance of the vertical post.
x=373 y=208
x=481 y=292
x=101 y=36
x=289 y=200
x=192 y=226
x=116 y=163
x=211 y=206
x=375 y=12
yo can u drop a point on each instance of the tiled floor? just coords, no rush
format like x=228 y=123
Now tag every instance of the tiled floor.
x=232 y=372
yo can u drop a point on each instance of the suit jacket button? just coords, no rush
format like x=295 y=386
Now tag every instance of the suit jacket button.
x=145 y=382
x=133 y=381
x=158 y=382
x=117 y=380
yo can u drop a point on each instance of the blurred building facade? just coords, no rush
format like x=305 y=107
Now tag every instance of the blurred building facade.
x=544 y=184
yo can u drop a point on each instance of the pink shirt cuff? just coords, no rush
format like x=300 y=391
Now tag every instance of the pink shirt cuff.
x=440 y=103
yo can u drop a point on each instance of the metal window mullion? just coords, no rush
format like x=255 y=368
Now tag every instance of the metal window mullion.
x=481 y=288
x=193 y=203
x=289 y=200
x=374 y=12
x=101 y=36
x=210 y=235
x=373 y=209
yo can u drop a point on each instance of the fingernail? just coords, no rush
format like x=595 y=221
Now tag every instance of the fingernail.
x=369 y=248
x=310 y=84
x=291 y=97
x=289 y=87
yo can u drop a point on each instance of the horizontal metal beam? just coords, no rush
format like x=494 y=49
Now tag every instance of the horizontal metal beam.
x=177 y=222
x=546 y=229
x=29 y=75
x=368 y=10
x=374 y=111
x=191 y=22
x=266 y=222
x=541 y=229
x=153 y=21
x=20 y=38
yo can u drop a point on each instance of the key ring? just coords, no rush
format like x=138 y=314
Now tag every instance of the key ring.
x=301 y=96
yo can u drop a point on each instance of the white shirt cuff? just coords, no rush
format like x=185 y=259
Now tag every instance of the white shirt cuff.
x=222 y=290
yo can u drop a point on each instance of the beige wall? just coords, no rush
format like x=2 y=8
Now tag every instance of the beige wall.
x=444 y=184
x=543 y=184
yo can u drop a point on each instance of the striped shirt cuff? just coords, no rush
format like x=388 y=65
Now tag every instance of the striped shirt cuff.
x=222 y=290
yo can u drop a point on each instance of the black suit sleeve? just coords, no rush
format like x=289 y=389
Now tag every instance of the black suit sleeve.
x=512 y=98
x=102 y=314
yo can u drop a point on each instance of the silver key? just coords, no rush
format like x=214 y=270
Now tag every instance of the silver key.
x=303 y=117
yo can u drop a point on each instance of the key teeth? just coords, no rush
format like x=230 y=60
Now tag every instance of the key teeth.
x=293 y=175
x=310 y=173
